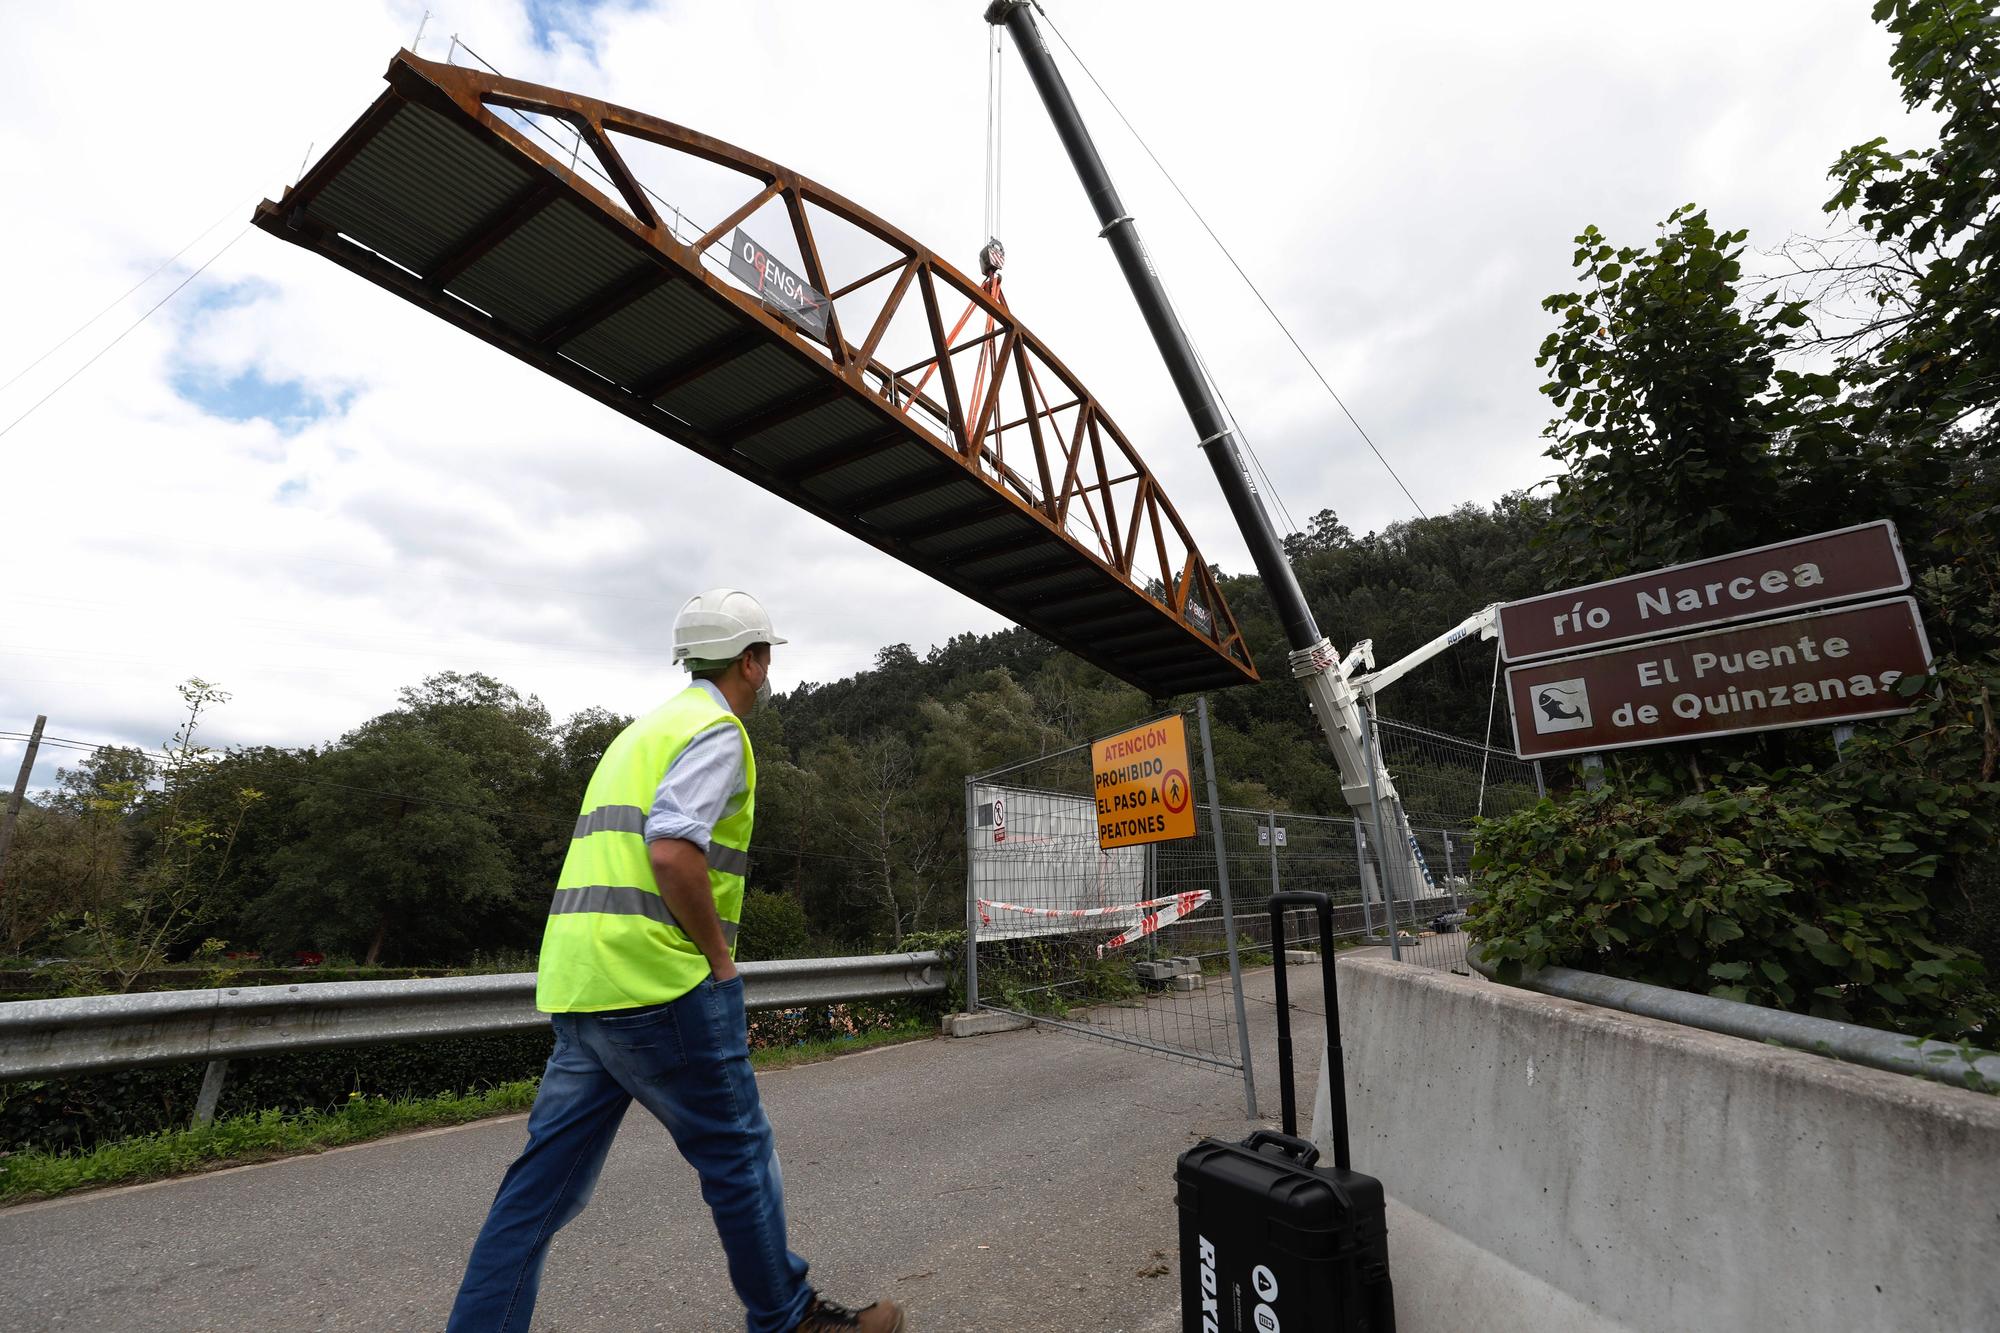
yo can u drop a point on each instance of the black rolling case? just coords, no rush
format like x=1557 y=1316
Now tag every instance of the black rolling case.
x=1272 y=1242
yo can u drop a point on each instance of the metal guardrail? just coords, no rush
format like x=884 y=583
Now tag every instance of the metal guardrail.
x=98 y=1033
x=1959 y=1066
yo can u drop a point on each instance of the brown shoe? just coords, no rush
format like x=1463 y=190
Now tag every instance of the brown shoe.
x=826 y=1317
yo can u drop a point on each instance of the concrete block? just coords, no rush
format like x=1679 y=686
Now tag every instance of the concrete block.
x=1186 y=983
x=981 y=1024
x=1188 y=966
x=1159 y=973
x=1301 y=955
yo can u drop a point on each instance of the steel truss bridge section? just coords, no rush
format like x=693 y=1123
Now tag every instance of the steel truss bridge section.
x=980 y=460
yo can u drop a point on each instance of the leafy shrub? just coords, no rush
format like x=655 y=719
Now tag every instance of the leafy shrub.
x=99 y=1108
x=1812 y=896
x=773 y=926
x=951 y=944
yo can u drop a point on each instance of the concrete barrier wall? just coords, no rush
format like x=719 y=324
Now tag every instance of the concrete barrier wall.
x=1558 y=1166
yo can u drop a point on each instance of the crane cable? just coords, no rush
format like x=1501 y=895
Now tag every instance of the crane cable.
x=1226 y=254
x=994 y=68
x=1486 y=741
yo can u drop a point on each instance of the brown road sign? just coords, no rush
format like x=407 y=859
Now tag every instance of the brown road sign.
x=1839 y=566
x=1829 y=666
x=1141 y=779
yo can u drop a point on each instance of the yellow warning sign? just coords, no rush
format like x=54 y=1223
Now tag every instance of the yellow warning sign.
x=1143 y=792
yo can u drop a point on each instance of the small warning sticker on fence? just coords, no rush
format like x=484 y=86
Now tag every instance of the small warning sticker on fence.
x=1141 y=784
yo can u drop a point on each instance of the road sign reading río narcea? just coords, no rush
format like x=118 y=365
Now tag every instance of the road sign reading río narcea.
x=1841 y=566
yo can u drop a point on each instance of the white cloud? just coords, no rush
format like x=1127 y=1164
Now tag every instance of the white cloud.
x=1403 y=181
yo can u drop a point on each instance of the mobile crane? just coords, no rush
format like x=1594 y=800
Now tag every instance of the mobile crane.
x=1339 y=698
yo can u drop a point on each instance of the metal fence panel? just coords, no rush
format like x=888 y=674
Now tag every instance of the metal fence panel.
x=1047 y=908
x=1130 y=944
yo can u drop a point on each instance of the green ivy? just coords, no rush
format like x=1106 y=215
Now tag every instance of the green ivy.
x=1800 y=897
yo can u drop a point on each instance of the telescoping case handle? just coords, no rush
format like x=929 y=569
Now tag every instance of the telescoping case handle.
x=1336 y=1074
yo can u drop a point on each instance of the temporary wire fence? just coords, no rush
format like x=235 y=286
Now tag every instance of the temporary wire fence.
x=1444 y=785
x=1132 y=945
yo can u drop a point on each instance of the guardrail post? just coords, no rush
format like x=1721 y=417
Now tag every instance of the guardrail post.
x=1361 y=874
x=971 y=906
x=1228 y=910
x=1450 y=875
x=211 y=1092
x=1370 y=745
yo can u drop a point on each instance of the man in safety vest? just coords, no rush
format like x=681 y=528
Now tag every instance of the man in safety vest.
x=639 y=976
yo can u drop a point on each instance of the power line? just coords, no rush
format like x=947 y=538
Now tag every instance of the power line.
x=1254 y=290
x=120 y=299
x=128 y=328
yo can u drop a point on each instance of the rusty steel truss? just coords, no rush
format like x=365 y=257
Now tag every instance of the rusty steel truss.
x=981 y=460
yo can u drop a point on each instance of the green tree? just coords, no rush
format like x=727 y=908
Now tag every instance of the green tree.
x=774 y=926
x=400 y=856
x=111 y=780
x=166 y=896
x=1927 y=356
x=62 y=865
x=1671 y=403
x=899 y=846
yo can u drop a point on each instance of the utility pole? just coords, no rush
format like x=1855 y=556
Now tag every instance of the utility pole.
x=20 y=794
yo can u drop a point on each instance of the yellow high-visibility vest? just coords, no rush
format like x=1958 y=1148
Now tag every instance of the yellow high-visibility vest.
x=611 y=941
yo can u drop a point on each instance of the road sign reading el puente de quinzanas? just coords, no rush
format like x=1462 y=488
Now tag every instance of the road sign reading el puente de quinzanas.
x=1827 y=666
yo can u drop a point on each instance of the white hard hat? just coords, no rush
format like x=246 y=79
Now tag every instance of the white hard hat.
x=718 y=625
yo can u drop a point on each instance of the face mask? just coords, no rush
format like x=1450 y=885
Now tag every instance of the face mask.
x=764 y=693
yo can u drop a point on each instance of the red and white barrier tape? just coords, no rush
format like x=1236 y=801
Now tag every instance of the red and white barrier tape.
x=1182 y=904
x=988 y=906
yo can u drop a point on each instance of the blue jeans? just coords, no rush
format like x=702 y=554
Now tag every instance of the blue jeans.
x=688 y=1062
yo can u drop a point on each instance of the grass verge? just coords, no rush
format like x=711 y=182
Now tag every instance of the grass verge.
x=34 y=1174
x=811 y=1052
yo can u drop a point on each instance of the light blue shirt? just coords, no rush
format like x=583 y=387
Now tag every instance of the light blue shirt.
x=704 y=785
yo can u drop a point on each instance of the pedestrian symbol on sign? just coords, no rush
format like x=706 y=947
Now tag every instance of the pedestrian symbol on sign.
x=1175 y=790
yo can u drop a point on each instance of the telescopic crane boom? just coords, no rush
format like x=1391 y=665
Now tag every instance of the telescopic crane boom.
x=1314 y=661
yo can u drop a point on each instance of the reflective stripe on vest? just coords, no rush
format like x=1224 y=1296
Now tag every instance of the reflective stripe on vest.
x=611 y=942
x=620 y=900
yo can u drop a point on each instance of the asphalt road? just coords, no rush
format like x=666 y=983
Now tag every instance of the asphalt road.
x=1015 y=1182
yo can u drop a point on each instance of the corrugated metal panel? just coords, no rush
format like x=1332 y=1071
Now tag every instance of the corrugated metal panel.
x=883 y=469
x=975 y=534
x=1002 y=565
x=839 y=422
x=739 y=389
x=1083 y=607
x=419 y=187
x=908 y=513
x=555 y=262
x=1069 y=580
x=1130 y=641
x=665 y=327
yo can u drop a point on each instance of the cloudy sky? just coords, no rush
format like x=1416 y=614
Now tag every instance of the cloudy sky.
x=295 y=484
